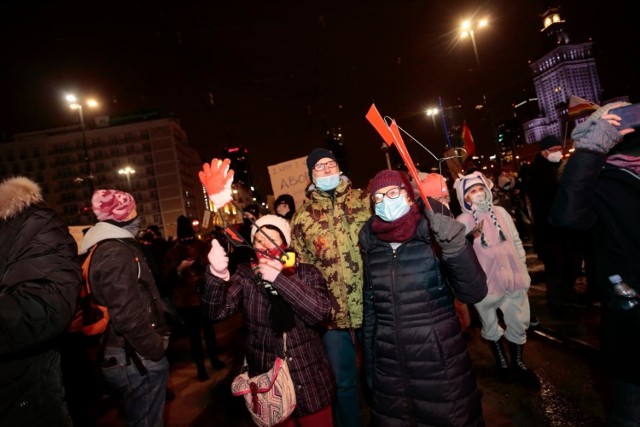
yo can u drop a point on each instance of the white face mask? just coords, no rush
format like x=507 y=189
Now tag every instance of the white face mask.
x=478 y=198
x=555 y=156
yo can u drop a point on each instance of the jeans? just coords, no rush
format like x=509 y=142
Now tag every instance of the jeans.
x=143 y=395
x=626 y=404
x=341 y=351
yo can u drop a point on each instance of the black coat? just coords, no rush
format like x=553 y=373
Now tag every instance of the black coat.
x=40 y=283
x=606 y=199
x=415 y=353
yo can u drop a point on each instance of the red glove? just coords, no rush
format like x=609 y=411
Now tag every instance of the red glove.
x=217 y=179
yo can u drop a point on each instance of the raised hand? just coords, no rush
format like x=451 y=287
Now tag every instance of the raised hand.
x=217 y=179
x=448 y=231
x=218 y=261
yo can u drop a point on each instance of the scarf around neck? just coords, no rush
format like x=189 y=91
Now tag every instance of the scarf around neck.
x=399 y=230
x=625 y=161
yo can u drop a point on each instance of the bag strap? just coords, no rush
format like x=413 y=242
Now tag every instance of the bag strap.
x=245 y=365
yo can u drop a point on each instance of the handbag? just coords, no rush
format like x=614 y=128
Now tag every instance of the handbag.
x=270 y=397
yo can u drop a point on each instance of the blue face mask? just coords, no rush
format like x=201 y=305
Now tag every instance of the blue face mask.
x=392 y=209
x=328 y=183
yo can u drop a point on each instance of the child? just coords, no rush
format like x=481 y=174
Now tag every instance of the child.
x=502 y=256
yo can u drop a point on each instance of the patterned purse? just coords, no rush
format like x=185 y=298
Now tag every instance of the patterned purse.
x=270 y=397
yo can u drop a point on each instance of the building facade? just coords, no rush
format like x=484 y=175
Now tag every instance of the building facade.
x=149 y=158
x=566 y=69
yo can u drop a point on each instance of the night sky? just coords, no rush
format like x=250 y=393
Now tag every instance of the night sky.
x=273 y=76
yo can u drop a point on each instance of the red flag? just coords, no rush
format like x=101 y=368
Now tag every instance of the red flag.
x=579 y=106
x=467 y=139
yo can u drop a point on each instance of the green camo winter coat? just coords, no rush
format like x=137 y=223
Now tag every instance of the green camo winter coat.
x=324 y=233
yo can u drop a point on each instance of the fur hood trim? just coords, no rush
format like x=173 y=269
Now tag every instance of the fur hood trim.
x=16 y=195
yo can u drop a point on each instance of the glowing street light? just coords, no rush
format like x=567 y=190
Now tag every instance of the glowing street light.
x=75 y=104
x=468 y=29
x=432 y=112
x=128 y=171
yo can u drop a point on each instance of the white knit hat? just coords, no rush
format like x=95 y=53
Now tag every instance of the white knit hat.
x=276 y=221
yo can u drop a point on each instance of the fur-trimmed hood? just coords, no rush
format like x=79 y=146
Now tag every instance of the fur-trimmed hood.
x=16 y=195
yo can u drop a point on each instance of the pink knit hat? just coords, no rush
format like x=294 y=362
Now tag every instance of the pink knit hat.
x=112 y=204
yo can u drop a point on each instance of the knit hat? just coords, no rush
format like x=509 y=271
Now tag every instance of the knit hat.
x=185 y=228
x=549 y=141
x=434 y=185
x=388 y=177
x=112 y=204
x=276 y=221
x=317 y=154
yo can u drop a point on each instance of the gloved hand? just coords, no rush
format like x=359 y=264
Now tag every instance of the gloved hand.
x=217 y=179
x=218 y=261
x=269 y=268
x=448 y=231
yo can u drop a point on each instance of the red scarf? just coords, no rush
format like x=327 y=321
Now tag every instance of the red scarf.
x=400 y=230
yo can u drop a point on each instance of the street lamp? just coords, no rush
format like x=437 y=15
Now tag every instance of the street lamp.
x=468 y=29
x=432 y=112
x=127 y=170
x=76 y=104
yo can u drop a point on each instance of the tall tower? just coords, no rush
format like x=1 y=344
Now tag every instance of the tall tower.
x=567 y=69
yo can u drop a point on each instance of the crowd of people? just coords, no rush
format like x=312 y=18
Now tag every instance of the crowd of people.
x=364 y=292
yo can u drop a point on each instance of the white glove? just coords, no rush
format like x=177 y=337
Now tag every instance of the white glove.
x=269 y=268
x=218 y=261
x=217 y=179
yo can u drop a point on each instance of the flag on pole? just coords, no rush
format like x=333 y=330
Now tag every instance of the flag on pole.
x=469 y=145
x=579 y=106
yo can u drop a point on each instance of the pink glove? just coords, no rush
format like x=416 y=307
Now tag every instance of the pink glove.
x=218 y=261
x=269 y=268
x=217 y=179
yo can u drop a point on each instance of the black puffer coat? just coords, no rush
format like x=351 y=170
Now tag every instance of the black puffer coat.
x=40 y=283
x=415 y=353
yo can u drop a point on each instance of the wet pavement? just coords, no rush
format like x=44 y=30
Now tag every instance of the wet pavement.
x=564 y=352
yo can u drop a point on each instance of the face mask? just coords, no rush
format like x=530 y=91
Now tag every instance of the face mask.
x=328 y=183
x=392 y=209
x=478 y=198
x=555 y=156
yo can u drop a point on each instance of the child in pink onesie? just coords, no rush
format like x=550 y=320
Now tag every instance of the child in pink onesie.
x=503 y=259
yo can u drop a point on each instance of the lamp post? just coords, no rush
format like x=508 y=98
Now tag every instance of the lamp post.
x=432 y=112
x=76 y=104
x=468 y=28
x=127 y=170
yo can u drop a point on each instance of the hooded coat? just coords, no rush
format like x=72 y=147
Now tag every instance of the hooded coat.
x=41 y=277
x=415 y=354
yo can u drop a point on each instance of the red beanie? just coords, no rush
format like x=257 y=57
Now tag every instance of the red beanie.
x=389 y=177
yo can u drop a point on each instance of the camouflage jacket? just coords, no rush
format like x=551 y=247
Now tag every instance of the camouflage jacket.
x=324 y=233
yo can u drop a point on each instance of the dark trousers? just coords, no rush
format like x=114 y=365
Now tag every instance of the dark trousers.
x=562 y=265
x=196 y=326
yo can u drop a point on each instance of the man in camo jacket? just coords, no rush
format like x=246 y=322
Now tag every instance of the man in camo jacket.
x=325 y=233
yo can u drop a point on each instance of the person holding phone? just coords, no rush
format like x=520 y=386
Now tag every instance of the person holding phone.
x=600 y=190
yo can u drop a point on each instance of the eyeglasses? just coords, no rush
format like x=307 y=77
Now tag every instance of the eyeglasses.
x=392 y=193
x=320 y=166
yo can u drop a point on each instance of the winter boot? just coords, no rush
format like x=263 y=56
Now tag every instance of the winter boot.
x=521 y=372
x=202 y=371
x=502 y=363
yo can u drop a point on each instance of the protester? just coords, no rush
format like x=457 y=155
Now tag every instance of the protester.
x=557 y=247
x=40 y=283
x=414 y=352
x=600 y=190
x=184 y=268
x=435 y=186
x=134 y=361
x=325 y=234
x=500 y=252
x=285 y=206
x=277 y=300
